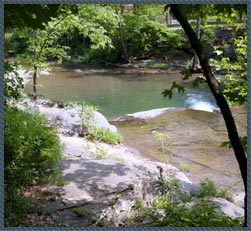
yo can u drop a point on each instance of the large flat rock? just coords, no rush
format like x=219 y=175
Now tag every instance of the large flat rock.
x=194 y=138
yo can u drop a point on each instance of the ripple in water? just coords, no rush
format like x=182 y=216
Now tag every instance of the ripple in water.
x=199 y=102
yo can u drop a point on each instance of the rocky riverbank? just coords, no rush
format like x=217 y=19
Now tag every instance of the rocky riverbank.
x=102 y=183
x=191 y=137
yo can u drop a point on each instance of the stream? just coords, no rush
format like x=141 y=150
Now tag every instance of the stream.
x=194 y=136
x=116 y=93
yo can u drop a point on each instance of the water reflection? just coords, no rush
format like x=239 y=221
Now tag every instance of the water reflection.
x=118 y=94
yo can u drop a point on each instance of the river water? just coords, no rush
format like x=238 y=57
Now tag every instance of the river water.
x=116 y=93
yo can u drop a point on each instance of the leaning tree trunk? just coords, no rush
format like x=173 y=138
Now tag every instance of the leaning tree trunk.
x=218 y=94
x=196 y=67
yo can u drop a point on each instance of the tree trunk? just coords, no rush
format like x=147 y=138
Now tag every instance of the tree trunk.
x=196 y=67
x=122 y=39
x=220 y=99
x=34 y=93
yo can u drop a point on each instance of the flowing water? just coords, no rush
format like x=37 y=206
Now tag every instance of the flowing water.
x=195 y=137
x=116 y=94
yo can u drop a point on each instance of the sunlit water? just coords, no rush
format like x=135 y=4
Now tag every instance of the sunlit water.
x=116 y=94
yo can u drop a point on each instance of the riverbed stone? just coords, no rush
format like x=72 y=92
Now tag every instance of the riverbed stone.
x=229 y=208
x=222 y=205
x=101 y=122
x=69 y=122
x=67 y=119
x=239 y=199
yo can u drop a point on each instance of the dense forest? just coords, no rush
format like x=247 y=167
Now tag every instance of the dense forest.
x=206 y=39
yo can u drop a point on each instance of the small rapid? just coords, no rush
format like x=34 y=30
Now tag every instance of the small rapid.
x=199 y=102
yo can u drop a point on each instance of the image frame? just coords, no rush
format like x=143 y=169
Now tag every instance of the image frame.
x=248 y=2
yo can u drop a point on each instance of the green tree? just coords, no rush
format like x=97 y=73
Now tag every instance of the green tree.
x=142 y=30
x=42 y=45
x=19 y=16
x=23 y=15
x=235 y=83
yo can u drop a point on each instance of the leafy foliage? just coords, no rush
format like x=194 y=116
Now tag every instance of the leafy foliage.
x=172 y=211
x=30 y=147
x=42 y=43
x=185 y=167
x=169 y=92
x=86 y=113
x=104 y=154
x=202 y=214
x=186 y=72
x=167 y=187
x=243 y=140
x=21 y=15
x=235 y=83
x=13 y=83
x=82 y=211
x=208 y=188
x=105 y=135
x=165 y=146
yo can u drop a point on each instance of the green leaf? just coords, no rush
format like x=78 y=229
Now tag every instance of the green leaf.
x=226 y=144
x=169 y=92
x=199 y=80
x=186 y=73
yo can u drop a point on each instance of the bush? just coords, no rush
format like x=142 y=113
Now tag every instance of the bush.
x=207 y=188
x=171 y=211
x=105 y=135
x=202 y=214
x=30 y=147
x=13 y=83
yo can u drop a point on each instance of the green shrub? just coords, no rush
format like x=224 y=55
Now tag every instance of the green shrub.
x=16 y=206
x=86 y=114
x=29 y=141
x=202 y=214
x=181 y=211
x=30 y=147
x=207 y=188
x=13 y=83
x=104 y=135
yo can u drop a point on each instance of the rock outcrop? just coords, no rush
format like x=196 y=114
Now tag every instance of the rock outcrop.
x=192 y=137
x=101 y=184
x=68 y=119
x=109 y=189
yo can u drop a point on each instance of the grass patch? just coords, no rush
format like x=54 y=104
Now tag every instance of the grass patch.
x=185 y=167
x=82 y=211
x=157 y=65
x=103 y=154
x=104 y=135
